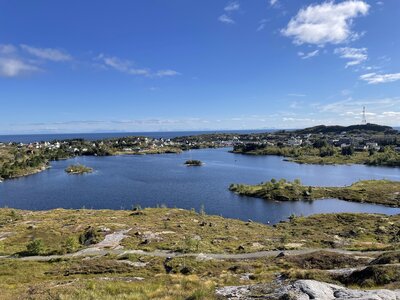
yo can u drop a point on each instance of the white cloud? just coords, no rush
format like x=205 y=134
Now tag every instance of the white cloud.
x=166 y=73
x=273 y=2
x=125 y=66
x=47 y=53
x=232 y=6
x=325 y=23
x=308 y=55
x=391 y=113
x=226 y=19
x=7 y=49
x=375 y=78
x=355 y=55
x=128 y=67
x=13 y=67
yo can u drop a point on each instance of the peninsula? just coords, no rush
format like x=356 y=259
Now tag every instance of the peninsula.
x=383 y=192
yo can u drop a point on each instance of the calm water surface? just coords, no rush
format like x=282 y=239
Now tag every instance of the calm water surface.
x=123 y=181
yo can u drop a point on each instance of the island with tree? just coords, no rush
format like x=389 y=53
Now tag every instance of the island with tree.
x=193 y=163
x=78 y=169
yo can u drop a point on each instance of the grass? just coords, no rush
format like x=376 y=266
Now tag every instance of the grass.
x=383 y=192
x=187 y=231
x=115 y=277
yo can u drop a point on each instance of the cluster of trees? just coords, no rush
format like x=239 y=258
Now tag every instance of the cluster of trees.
x=19 y=165
x=275 y=190
x=387 y=157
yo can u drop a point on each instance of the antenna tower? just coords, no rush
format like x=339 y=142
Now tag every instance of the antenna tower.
x=364 y=118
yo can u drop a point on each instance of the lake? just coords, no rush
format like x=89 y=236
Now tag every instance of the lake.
x=120 y=182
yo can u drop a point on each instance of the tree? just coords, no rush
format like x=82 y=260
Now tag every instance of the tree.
x=349 y=150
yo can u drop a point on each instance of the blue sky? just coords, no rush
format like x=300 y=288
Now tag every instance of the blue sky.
x=87 y=66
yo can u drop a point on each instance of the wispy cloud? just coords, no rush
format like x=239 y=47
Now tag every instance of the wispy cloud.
x=47 y=53
x=309 y=54
x=261 y=25
x=7 y=49
x=350 y=104
x=226 y=19
x=21 y=60
x=128 y=67
x=232 y=6
x=273 y=2
x=229 y=9
x=325 y=23
x=375 y=78
x=14 y=67
x=164 y=73
x=355 y=55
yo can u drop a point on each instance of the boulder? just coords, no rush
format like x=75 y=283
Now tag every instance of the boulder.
x=303 y=290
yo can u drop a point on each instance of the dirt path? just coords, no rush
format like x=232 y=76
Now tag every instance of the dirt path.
x=111 y=245
x=94 y=251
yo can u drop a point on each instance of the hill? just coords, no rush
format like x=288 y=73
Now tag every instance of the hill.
x=352 y=128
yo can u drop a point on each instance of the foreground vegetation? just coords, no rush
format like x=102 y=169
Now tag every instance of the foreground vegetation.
x=136 y=276
x=384 y=192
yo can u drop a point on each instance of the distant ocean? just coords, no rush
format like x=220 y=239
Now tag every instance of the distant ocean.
x=30 y=138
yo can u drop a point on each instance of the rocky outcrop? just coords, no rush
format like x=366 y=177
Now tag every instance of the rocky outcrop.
x=303 y=290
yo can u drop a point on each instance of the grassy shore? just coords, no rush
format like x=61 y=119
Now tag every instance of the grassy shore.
x=135 y=276
x=383 y=192
x=327 y=156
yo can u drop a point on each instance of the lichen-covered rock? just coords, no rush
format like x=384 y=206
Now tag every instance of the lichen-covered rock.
x=303 y=290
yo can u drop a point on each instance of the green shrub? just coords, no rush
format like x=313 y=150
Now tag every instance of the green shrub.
x=71 y=244
x=35 y=247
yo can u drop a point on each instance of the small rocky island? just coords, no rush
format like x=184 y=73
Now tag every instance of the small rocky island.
x=78 y=169
x=193 y=163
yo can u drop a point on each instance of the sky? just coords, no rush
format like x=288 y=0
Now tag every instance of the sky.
x=155 y=65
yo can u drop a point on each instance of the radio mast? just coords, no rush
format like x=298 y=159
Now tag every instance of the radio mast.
x=364 y=118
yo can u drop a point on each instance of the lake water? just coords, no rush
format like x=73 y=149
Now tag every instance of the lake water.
x=119 y=182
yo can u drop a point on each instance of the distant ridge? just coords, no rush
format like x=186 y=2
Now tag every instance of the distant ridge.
x=352 y=128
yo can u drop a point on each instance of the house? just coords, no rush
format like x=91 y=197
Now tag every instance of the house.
x=294 y=142
x=374 y=146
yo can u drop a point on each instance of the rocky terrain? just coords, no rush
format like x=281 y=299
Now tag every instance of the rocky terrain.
x=303 y=290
